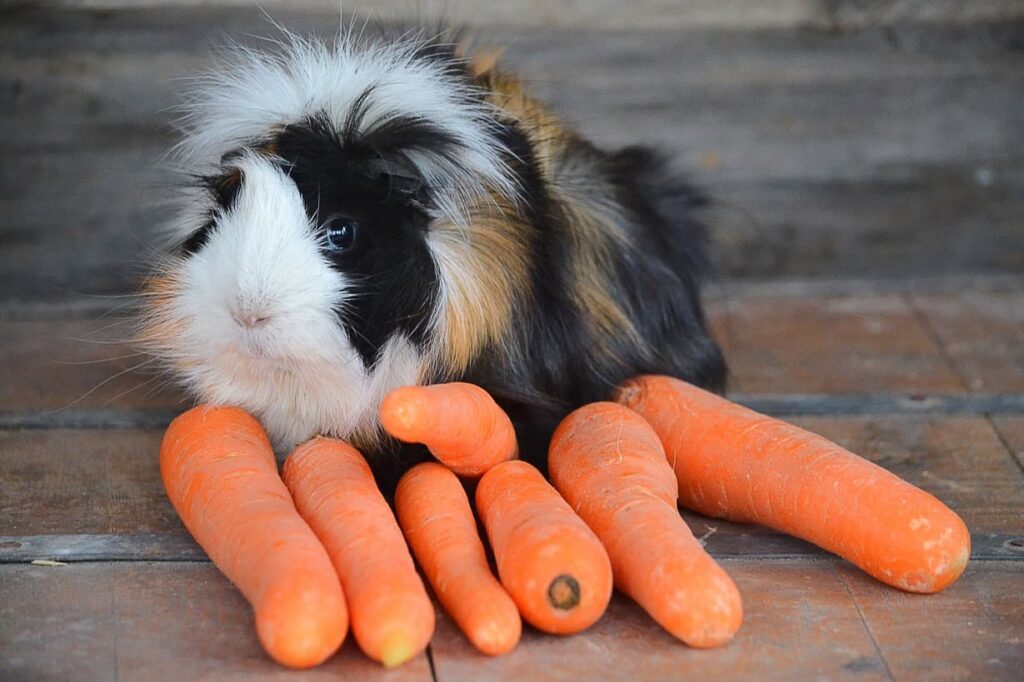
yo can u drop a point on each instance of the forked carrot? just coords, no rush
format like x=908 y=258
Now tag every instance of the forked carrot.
x=459 y=423
x=737 y=464
x=434 y=512
x=334 y=490
x=549 y=560
x=610 y=466
x=221 y=476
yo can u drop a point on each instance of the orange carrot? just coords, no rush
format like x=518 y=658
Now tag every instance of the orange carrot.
x=334 y=490
x=459 y=423
x=434 y=512
x=221 y=476
x=549 y=560
x=737 y=464
x=610 y=466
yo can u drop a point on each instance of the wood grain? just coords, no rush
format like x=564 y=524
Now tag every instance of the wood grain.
x=1011 y=430
x=776 y=345
x=983 y=335
x=78 y=363
x=871 y=153
x=721 y=539
x=647 y=14
x=82 y=482
x=973 y=630
x=799 y=621
x=107 y=482
x=846 y=344
x=139 y=621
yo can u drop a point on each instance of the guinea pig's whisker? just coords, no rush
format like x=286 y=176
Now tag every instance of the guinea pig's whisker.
x=97 y=361
x=104 y=383
x=129 y=390
x=96 y=342
x=124 y=320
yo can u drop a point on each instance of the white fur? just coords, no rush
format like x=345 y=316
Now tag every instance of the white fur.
x=296 y=371
x=254 y=92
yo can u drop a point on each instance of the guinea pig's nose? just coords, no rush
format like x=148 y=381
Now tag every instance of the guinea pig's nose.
x=250 y=319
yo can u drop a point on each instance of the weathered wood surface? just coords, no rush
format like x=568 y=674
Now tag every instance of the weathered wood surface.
x=66 y=482
x=140 y=621
x=983 y=335
x=894 y=152
x=646 y=14
x=910 y=352
x=148 y=621
x=1011 y=429
x=139 y=600
x=984 y=617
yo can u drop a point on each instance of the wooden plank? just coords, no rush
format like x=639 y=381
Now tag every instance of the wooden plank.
x=845 y=344
x=110 y=480
x=723 y=540
x=983 y=335
x=799 y=622
x=82 y=482
x=832 y=108
x=856 y=158
x=73 y=370
x=783 y=406
x=972 y=631
x=78 y=363
x=888 y=228
x=647 y=14
x=797 y=287
x=1011 y=430
x=144 y=622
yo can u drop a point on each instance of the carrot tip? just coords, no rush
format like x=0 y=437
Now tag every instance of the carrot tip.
x=396 y=650
x=564 y=592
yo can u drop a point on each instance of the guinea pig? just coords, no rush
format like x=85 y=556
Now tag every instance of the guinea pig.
x=391 y=210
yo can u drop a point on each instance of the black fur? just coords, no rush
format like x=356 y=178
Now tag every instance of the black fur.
x=224 y=190
x=339 y=174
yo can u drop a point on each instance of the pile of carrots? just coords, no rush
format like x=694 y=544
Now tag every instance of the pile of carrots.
x=318 y=548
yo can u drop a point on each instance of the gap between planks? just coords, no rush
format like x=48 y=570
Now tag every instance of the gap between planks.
x=179 y=547
x=811 y=405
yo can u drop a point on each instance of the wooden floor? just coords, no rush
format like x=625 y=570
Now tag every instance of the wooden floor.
x=929 y=383
x=856 y=146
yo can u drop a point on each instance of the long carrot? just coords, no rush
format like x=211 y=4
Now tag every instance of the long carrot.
x=459 y=423
x=434 y=512
x=610 y=466
x=737 y=464
x=334 y=490
x=220 y=474
x=549 y=560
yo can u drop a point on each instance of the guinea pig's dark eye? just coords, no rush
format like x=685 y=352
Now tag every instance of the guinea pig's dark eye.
x=341 y=233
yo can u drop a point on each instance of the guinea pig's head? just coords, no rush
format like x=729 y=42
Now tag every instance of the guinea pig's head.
x=325 y=251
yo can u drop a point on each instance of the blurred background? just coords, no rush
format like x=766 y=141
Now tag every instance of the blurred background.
x=840 y=139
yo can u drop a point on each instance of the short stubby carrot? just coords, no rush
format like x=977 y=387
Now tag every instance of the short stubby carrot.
x=610 y=466
x=434 y=512
x=459 y=423
x=221 y=476
x=737 y=464
x=334 y=490
x=551 y=563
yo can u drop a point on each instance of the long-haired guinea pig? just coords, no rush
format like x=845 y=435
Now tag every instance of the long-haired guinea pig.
x=379 y=212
